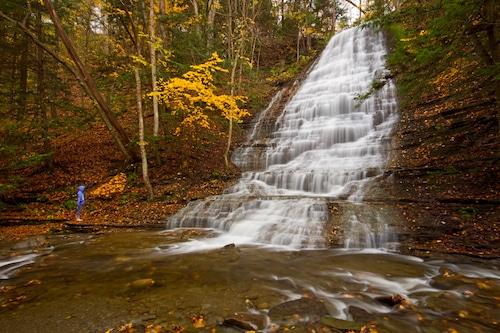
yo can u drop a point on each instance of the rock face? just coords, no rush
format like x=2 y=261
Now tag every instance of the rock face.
x=441 y=182
x=443 y=176
x=385 y=222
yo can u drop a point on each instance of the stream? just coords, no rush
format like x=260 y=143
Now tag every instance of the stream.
x=91 y=283
x=262 y=250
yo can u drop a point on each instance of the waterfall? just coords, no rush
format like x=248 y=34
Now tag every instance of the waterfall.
x=323 y=147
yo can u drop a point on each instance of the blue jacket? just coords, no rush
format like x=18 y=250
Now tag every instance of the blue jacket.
x=80 y=196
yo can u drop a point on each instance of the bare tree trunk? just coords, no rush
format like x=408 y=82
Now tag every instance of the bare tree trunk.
x=161 y=28
x=298 y=46
x=142 y=143
x=23 y=77
x=94 y=92
x=211 y=10
x=196 y=14
x=40 y=94
x=140 y=116
x=233 y=83
x=22 y=67
x=334 y=18
x=233 y=55
x=152 y=53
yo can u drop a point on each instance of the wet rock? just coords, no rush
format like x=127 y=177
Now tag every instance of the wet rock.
x=449 y=279
x=31 y=243
x=361 y=315
x=299 y=310
x=230 y=250
x=249 y=321
x=393 y=300
x=148 y=317
x=442 y=302
x=342 y=324
x=262 y=306
x=142 y=283
x=249 y=304
x=403 y=323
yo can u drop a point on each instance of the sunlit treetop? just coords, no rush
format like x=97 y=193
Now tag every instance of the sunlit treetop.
x=193 y=96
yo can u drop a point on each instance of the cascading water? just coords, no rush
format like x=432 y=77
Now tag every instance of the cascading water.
x=324 y=147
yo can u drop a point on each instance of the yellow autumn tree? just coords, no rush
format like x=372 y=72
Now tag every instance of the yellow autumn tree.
x=193 y=97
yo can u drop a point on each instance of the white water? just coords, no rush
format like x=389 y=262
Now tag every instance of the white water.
x=9 y=266
x=324 y=147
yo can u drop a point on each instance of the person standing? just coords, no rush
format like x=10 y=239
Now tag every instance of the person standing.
x=80 y=201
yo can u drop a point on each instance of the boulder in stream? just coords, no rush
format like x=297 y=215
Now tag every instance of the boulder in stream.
x=249 y=321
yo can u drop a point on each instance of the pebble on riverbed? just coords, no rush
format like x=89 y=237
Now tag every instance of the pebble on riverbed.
x=142 y=283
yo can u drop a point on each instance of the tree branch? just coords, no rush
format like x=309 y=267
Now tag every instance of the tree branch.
x=356 y=6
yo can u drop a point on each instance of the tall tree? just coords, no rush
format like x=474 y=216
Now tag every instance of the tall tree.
x=40 y=93
x=152 y=53
x=238 y=29
x=137 y=30
x=122 y=137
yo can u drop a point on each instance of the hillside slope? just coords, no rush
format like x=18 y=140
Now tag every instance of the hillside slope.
x=445 y=174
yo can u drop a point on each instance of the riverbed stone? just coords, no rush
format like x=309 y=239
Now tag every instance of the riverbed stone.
x=341 y=324
x=142 y=283
x=249 y=321
x=449 y=279
x=31 y=243
x=303 y=309
x=361 y=315
x=262 y=306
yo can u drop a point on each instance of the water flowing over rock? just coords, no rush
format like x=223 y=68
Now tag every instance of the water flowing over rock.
x=248 y=321
x=325 y=146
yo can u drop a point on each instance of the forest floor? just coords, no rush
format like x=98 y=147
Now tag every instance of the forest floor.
x=46 y=203
x=443 y=177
